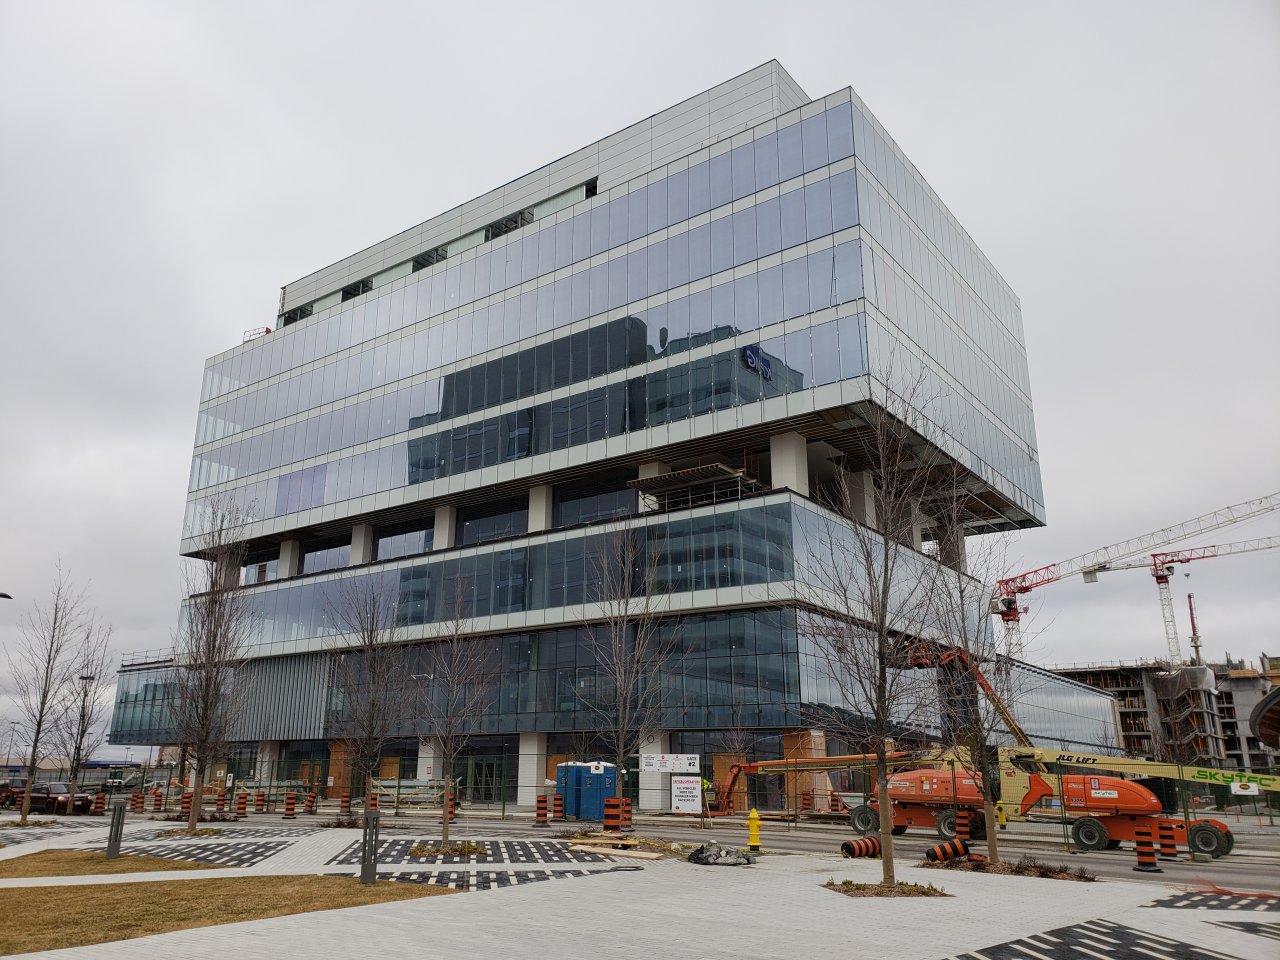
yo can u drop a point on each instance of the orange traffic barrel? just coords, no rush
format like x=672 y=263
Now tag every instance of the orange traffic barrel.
x=947 y=850
x=186 y=804
x=157 y=802
x=260 y=802
x=371 y=801
x=221 y=803
x=100 y=804
x=626 y=816
x=557 y=807
x=1146 y=851
x=612 y=814
x=861 y=847
x=540 y=811
x=242 y=805
x=136 y=803
x=290 y=806
x=309 y=805
x=344 y=804
x=1168 y=841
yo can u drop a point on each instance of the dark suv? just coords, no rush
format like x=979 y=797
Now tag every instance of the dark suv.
x=57 y=798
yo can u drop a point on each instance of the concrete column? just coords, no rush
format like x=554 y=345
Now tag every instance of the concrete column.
x=951 y=546
x=646 y=470
x=446 y=527
x=290 y=564
x=532 y=774
x=862 y=498
x=655 y=788
x=540 y=507
x=428 y=769
x=268 y=755
x=226 y=574
x=789 y=462
x=362 y=544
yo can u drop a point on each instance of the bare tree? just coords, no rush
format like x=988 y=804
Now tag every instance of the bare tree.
x=976 y=692
x=866 y=592
x=370 y=679
x=209 y=644
x=79 y=728
x=630 y=643
x=43 y=663
x=457 y=686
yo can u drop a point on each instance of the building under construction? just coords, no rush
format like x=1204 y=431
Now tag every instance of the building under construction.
x=1242 y=686
x=1167 y=712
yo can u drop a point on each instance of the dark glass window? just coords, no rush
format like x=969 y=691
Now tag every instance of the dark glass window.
x=596 y=498
x=478 y=523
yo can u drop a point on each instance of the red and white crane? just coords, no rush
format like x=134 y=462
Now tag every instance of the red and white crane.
x=1120 y=556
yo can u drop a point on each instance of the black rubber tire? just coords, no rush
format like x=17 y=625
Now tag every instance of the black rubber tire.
x=1089 y=833
x=864 y=819
x=1113 y=844
x=898 y=831
x=1205 y=838
x=1231 y=843
x=945 y=824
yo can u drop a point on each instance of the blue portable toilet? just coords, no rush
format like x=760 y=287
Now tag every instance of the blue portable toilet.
x=584 y=787
x=599 y=780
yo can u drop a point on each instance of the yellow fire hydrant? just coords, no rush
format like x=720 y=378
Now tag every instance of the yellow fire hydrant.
x=753 y=831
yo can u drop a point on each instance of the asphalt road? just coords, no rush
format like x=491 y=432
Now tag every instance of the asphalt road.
x=1254 y=865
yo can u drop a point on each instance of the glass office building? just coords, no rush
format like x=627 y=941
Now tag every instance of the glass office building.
x=673 y=331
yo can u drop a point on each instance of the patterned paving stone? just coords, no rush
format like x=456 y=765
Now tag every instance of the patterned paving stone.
x=1269 y=930
x=1094 y=938
x=480 y=880
x=232 y=832
x=1218 y=901
x=496 y=851
x=12 y=837
x=226 y=854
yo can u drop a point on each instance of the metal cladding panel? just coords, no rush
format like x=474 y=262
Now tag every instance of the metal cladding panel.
x=284 y=698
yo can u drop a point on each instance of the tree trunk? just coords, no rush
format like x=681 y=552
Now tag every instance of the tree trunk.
x=993 y=844
x=31 y=778
x=197 y=796
x=886 y=825
x=448 y=796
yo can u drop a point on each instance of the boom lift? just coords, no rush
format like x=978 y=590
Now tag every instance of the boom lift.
x=1005 y=603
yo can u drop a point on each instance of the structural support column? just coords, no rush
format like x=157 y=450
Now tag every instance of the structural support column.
x=290 y=563
x=655 y=788
x=532 y=774
x=540 y=507
x=426 y=759
x=268 y=756
x=445 y=532
x=862 y=498
x=789 y=462
x=361 y=544
x=647 y=470
x=951 y=546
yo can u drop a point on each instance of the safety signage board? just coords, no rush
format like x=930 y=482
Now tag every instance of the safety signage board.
x=1245 y=789
x=686 y=794
x=669 y=763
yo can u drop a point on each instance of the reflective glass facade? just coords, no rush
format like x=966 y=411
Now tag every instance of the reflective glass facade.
x=474 y=403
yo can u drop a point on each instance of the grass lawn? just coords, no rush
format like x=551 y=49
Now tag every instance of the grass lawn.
x=46 y=918
x=79 y=863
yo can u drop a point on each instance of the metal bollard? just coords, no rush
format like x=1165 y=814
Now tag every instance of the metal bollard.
x=369 y=848
x=116 y=829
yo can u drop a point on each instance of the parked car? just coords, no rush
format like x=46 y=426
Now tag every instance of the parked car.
x=57 y=798
x=11 y=791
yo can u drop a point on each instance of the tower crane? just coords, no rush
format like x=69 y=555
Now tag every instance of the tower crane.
x=1162 y=566
x=1005 y=602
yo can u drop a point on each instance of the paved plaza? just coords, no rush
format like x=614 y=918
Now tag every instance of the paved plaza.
x=619 y=907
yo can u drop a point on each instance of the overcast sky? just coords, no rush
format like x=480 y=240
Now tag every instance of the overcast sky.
x=165 y=168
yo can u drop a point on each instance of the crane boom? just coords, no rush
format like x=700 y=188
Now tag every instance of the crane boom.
x=1005 y=602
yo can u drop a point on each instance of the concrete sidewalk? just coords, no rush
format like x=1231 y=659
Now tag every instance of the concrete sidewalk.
x=674 y=909
x=776 y=908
